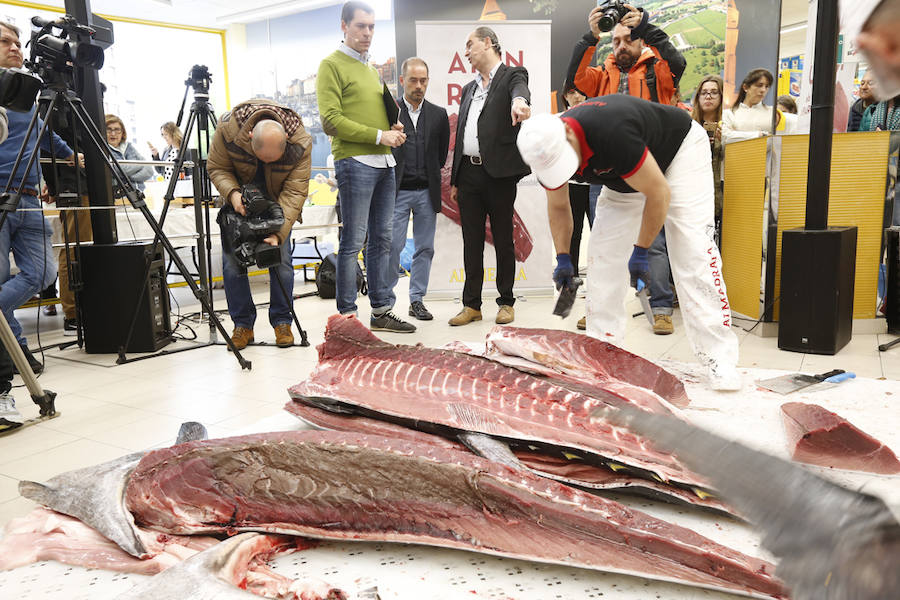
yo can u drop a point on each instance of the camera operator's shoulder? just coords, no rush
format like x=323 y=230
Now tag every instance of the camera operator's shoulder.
x=225 y=117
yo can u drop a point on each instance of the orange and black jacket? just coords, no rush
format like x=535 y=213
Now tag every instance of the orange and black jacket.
x=653 y=77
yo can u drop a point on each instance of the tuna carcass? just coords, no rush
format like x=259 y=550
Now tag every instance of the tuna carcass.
x=423 y=387
x=356 y=487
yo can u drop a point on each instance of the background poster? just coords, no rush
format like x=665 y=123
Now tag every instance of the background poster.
x=282 y=64
x=753 y=38
x=523 y=43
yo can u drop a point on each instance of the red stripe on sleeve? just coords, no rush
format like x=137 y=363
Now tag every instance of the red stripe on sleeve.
x=639 y=165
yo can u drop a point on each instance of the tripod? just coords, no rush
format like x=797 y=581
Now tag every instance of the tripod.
x=61 y=94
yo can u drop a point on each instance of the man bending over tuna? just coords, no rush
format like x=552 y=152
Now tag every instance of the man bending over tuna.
x=654 y=164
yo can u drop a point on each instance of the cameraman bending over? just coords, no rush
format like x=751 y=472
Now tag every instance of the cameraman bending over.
x=264 y=143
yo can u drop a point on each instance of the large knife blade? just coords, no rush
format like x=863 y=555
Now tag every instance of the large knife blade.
x=644 y=297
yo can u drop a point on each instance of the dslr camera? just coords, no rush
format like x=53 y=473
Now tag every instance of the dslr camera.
x=243 y=235
x=613 y=11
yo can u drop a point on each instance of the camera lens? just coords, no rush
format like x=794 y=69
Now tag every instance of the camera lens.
x=606 y=23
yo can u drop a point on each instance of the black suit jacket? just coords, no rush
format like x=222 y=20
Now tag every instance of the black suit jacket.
x=496 y=135
x=437 y=140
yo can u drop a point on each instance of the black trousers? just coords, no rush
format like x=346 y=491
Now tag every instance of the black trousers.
x=481 y=196
x=578 y=200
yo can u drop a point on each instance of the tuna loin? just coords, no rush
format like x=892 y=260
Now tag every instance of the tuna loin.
x=820 y=437
x=590 y=360
x=558 y=467
x=470 y=393
x=357 y=487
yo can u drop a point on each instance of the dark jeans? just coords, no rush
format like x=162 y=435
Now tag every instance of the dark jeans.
x=662 y=298
x=367 y=213
x=578 y=200
x=241 y=308
x=481 y=196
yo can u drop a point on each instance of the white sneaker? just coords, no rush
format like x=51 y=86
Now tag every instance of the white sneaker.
x=10 y=418
x=724 y=379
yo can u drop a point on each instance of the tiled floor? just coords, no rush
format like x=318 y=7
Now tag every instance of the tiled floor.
x=108 y=410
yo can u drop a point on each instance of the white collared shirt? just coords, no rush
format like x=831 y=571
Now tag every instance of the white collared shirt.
x=377 y=161
x=413 y=112
x=470 y=135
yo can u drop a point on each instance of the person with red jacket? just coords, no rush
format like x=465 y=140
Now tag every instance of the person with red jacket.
x=643 y=63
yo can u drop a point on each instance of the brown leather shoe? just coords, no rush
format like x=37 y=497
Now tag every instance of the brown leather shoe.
x=241 y=336
x=283 y=336
x=505 y=315
x=582 y=323
x=466 y=316
x=662 y=325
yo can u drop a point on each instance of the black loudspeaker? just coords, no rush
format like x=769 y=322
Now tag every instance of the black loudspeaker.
x=818 y=270
x=892 y=294
x=113 y=277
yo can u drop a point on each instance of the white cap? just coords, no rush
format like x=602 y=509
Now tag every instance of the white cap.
x=543 y=146
x=854 y=15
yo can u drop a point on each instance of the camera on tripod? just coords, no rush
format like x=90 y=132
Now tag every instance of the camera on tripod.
x=244 y=235
x=199 y=79
x=613 y=11
x=60 y=52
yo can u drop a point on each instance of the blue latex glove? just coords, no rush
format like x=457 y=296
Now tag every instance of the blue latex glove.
x=564 y=272
x=639 y=267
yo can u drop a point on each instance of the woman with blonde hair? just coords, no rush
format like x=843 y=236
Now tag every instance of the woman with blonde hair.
x=173 y=138
x=122 y=149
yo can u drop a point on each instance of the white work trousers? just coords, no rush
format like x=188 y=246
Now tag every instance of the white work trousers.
x=693 y=255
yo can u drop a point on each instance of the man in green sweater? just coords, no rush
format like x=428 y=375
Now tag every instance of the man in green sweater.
x=352 y=109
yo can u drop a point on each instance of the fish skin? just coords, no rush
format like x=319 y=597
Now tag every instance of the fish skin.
x=197 y=578
x=95 y=495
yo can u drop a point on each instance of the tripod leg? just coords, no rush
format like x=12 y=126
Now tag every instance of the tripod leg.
x=41 y=397
x=273 y=272
x=136 y=200
x=889 y=345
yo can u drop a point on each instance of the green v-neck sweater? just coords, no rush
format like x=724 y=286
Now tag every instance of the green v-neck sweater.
x=351 y=106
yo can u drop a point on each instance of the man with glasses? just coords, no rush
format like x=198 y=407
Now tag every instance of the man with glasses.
x=645 y=64
x=859 y=119
x=25 y=233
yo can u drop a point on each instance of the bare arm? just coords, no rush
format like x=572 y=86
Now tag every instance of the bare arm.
x=560 y=213
x=650 y=181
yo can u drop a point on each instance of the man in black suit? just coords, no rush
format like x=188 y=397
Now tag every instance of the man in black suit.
x=486 y=168
x=418 y=170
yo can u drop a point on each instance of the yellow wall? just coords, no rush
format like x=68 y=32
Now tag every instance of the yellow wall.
x=856 y=197
x=742 y=224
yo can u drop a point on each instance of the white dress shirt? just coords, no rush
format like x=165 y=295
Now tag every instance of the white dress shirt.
x=378 y=161
x=413 y=112
x=746 y=122
x=470 y=135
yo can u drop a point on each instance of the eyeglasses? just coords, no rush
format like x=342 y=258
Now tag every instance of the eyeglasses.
x=113 y=130
x=713 y=94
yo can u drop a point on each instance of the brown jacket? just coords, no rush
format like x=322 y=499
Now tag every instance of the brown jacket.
x=232 y=162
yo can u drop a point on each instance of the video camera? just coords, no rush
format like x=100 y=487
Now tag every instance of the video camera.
x=199 y=78
x=18 y=89
x=243 y=236
x=613 y=11
x=72 y=46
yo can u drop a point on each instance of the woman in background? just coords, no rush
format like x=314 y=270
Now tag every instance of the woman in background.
x=749 y=117
x=122 y=149
x=708 y=112
x=173 y=138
